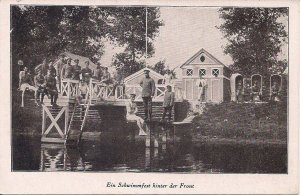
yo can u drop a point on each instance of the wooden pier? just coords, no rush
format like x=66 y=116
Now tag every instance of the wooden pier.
x=67 y=122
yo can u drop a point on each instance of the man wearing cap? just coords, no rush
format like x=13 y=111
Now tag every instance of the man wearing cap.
x=39 y=81
x=76 y=70
x=50 y=84
x=148 y=90
x=67 y=70
x=86 y=72
x=59 y=66
x=43 y=67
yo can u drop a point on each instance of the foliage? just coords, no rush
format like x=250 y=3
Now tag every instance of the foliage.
x=39 y=32
x=125 y=66
x=255 y=37
x=130 y=32
x=161 y=68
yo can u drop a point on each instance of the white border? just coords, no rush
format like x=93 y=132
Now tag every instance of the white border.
x=74 y=182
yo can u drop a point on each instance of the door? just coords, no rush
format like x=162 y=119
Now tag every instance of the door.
x=216 y=90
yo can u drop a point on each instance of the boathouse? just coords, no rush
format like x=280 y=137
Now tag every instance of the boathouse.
x=216 y=74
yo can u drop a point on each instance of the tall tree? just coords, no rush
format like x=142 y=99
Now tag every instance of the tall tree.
x=255 y=38
x=130 y=31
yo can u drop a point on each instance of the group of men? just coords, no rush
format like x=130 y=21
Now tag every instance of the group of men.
x=48 y=78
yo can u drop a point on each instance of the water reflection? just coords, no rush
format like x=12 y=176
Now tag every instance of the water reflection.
x=117 y=153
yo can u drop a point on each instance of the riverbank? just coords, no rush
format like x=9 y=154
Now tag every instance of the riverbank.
x=264 y=121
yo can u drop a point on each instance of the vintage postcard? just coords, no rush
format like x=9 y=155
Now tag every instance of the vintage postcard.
x=150 y=97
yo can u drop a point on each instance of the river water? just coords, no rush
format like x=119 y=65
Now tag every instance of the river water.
x=119 y=154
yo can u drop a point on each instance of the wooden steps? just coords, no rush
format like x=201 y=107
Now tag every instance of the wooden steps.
x=82 y=118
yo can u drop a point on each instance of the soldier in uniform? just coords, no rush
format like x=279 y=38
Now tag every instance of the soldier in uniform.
x=50 y=84
x=39 y=81
x=67 y=70
x=86 y=72
x=148 y=91
x=76 y=70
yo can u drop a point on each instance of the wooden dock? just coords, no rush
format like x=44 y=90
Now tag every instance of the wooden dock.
x=67 y=122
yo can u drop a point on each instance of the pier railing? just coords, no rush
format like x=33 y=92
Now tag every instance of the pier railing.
x=102 y=91
x=69 y=88
x=123 y=92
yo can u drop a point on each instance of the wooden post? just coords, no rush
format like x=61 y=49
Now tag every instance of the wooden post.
x=43 y=121
x=47 y=112
x=66 y=120
x=148 y=136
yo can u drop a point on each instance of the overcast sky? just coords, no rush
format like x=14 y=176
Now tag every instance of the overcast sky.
x=186 y=30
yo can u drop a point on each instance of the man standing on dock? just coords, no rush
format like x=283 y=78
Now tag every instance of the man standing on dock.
x=148 y=90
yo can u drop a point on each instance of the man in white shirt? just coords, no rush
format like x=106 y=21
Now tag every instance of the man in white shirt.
x=201 y=84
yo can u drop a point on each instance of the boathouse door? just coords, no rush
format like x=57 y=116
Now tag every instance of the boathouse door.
x=215 y=88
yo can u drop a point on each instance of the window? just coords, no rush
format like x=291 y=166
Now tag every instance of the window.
x=202 y=72
x=189 y=72
x=215 y=72
x=202 y=58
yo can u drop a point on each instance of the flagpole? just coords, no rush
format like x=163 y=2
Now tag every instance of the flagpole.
x=146 y=35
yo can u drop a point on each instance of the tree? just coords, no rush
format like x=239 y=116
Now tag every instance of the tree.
x=161 y=68
x=125 y=66
x=255 y=38
x=129 y=30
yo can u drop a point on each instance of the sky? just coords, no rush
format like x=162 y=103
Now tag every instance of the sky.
x=186 y=30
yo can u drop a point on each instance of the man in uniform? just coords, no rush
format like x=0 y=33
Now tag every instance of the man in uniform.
x=148 y=90
x=67 y=70
x=98 y=72
x=59 y=66
x=50 y=84
x=86 y=72
x=43 y=67
x=39 y=81
x=76 y=70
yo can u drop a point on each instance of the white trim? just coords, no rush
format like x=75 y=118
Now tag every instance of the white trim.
x=205 y=77
x=193 y=89
x=140 y=72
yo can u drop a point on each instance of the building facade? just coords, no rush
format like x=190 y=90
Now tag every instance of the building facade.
x=214 y=72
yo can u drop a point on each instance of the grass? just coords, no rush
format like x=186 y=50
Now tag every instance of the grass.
x=233 y=120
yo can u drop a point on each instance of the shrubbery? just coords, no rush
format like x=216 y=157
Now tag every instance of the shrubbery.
x=230 y=120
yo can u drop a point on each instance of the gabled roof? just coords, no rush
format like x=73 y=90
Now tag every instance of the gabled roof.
x=198 y=54
x=141 y=72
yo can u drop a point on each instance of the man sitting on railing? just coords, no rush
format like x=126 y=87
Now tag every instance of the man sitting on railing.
x=106 y=77
x=132 y=109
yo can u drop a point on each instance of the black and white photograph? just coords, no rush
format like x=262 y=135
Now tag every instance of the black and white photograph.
x=149 y=89
x=154 y=89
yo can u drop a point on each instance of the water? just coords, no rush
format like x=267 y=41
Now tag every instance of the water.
x=119 y=154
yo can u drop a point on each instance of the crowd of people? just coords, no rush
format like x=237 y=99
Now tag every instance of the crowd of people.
x=47 y=78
